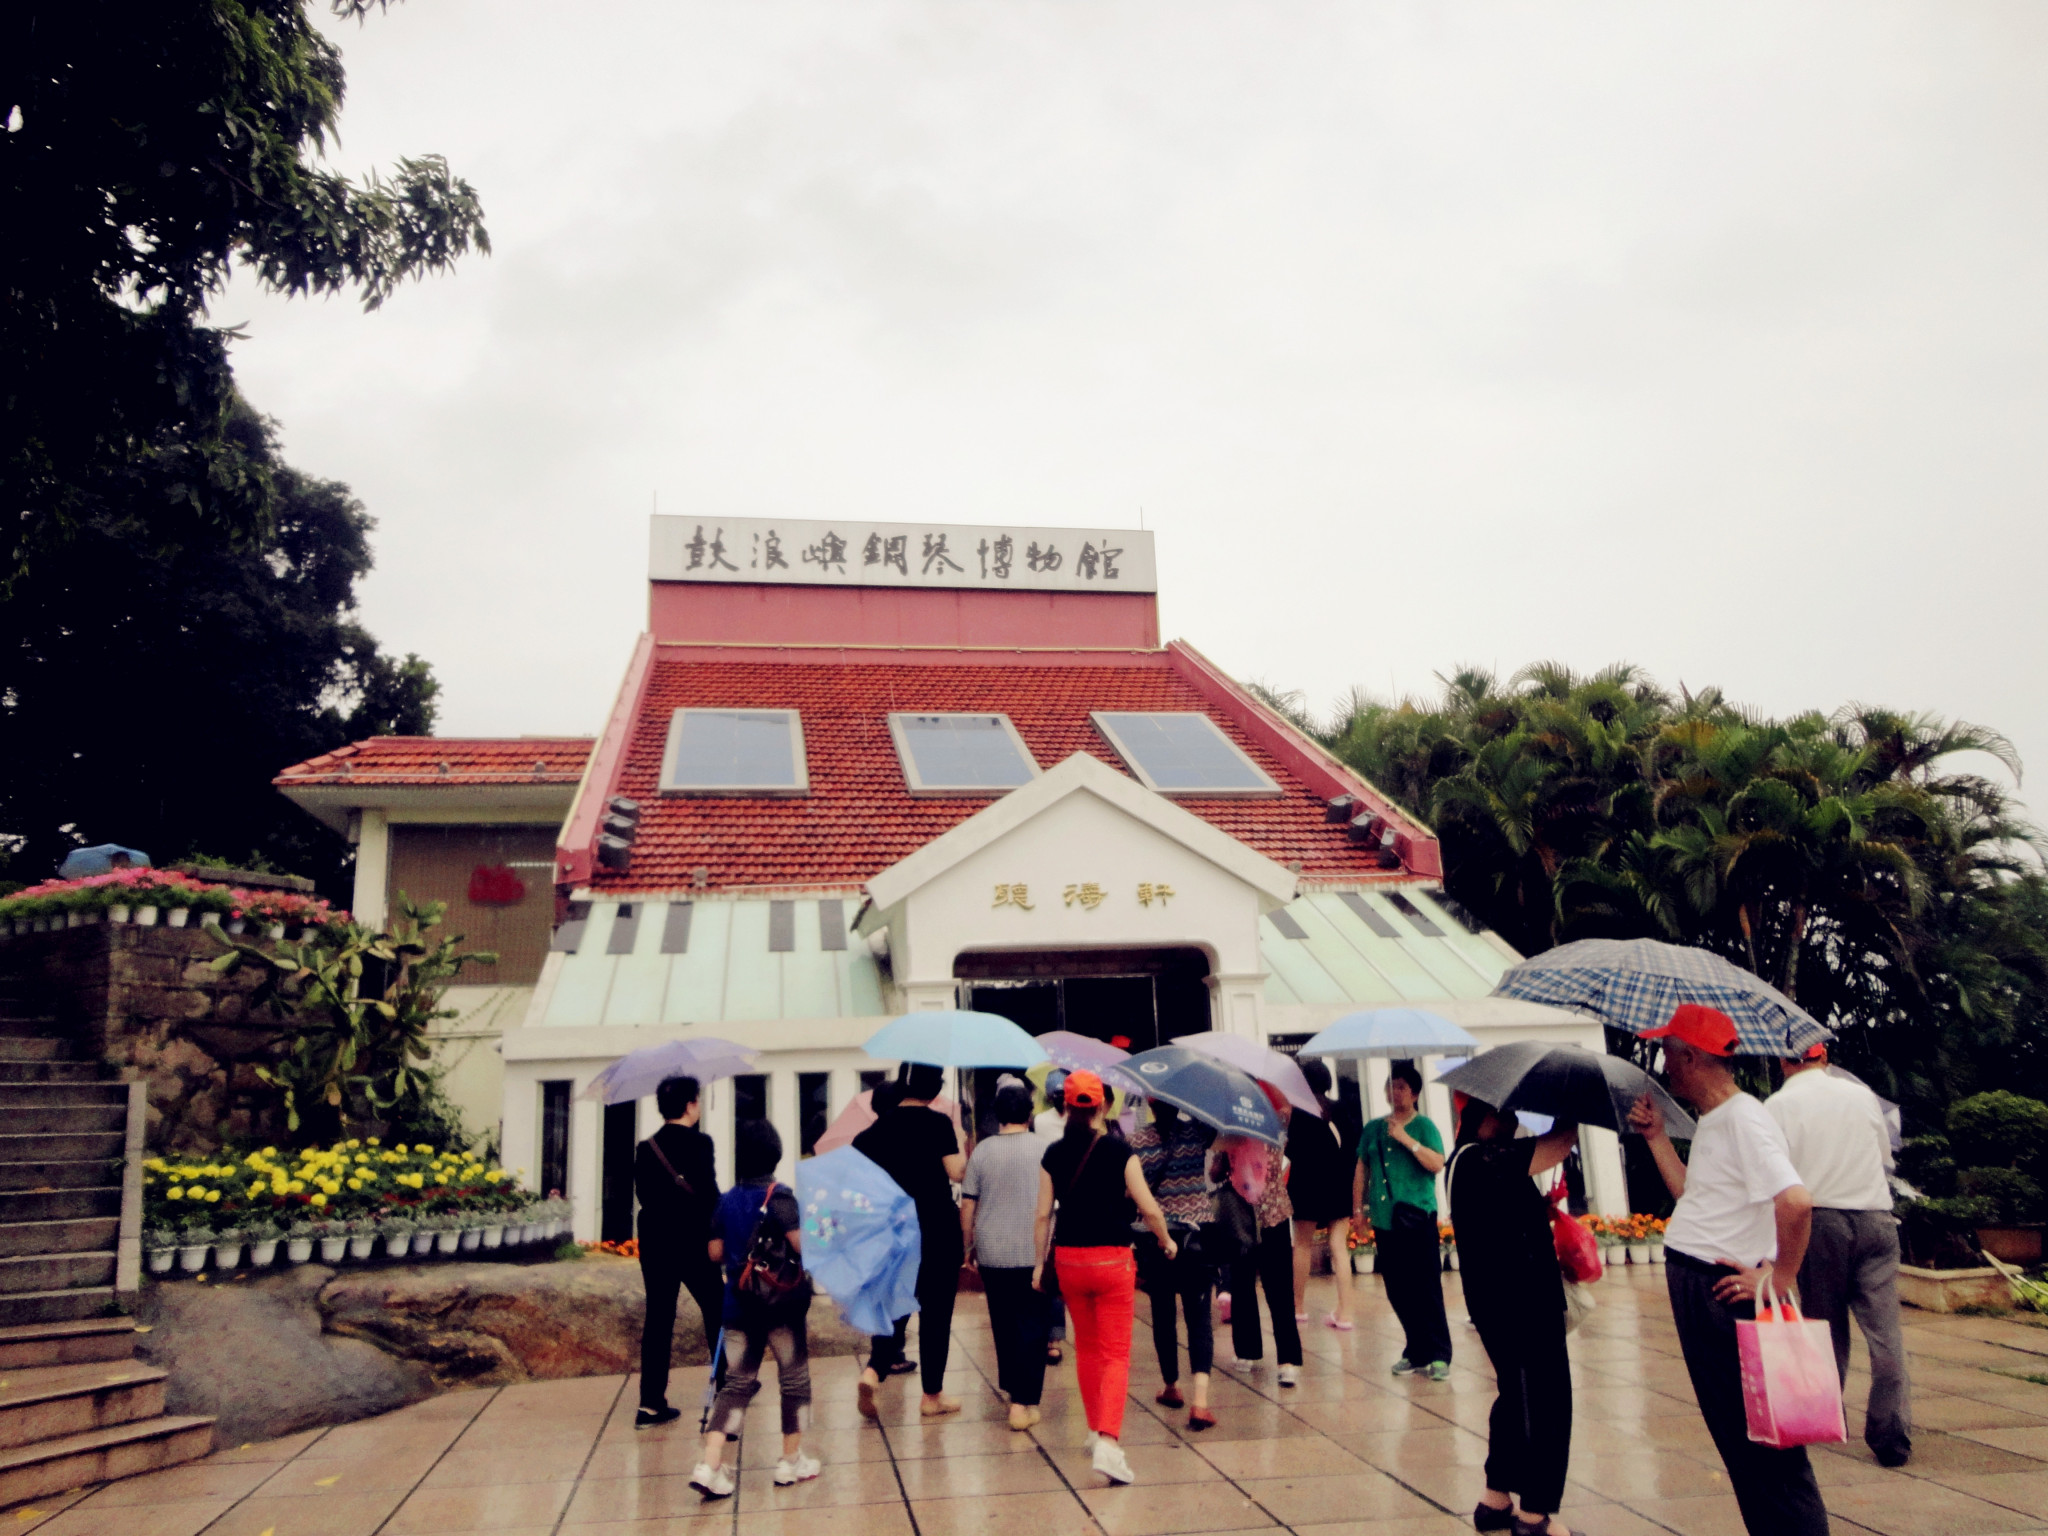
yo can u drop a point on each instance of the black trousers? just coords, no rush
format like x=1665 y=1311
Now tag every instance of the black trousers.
x=938 y=1282
x=1529 y=1432
x=1270 y=1264
x=1411 y=1264
x=1775 y=1489
x=1017 y=1316
x=1191 y=1284
x=663 y=1278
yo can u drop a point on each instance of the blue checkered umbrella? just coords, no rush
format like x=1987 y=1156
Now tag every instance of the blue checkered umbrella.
x=1636 y=985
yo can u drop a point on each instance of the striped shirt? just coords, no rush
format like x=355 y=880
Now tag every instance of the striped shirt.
x=1174 y=1169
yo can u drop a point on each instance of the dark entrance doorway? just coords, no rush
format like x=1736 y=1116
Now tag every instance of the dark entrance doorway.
x=1135 y=998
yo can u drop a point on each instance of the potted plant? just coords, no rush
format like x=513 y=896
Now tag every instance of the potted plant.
x=333 y=1240
x=471 y=1233
x=227 y=1247
x=298 y=1241
x=263 y=1234
x=446 y=1237
x=161 y=1244
x=362 y=1237
x=195 y=1241
x=1999 y=1145
x=492 y=1232
x=398 y=1232
x=1657 y=1224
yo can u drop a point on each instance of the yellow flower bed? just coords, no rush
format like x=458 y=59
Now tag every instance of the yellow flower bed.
x=352 y=1180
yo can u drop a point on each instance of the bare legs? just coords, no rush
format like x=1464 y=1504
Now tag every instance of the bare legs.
x=1340 y=1265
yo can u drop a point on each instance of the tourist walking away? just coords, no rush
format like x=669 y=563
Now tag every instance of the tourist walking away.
x=1269 y=1262
x=1835 y=1132
x=1088 y=1185
x=1319 y=1188
x=917 y=1147
x=998 y=1223
x=1742 y=1214
x=677 y=1182
x=758 y=1242
x=1173 y=1155
x=1393 y=1194
x=1515 y=1295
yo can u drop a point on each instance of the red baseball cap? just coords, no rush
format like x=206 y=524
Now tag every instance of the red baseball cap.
x=1815 y=1052
x=1083 y=1090
x=1704 y=1029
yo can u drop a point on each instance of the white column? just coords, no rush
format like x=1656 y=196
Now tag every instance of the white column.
x=782 y=1114
x=1606 y=1179
x=520 y=1148
x=586 y=1158
x=373 y=868
x=1234 y=1004
x=930 y=996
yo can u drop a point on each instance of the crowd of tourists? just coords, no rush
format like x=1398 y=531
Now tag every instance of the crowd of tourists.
x=1066 y=1212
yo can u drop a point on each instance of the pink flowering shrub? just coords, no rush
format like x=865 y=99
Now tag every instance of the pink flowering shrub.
x=147 y=887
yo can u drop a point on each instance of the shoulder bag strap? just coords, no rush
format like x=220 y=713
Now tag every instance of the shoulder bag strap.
x=681 y=1183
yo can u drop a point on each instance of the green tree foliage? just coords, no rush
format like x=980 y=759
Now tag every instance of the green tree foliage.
x=364 y=1002
x=1847 y=858
x=150 y=149
x=150 y=691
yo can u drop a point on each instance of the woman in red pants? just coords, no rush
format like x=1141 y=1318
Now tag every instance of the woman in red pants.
x=1094 y=1181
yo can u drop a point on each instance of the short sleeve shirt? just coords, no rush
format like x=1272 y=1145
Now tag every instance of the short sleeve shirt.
x=1093 y=1207
x=1392 y=1175
x=1002 y=1181
x=1738 y=1168
x=1506 y=1253
x=911 y=1145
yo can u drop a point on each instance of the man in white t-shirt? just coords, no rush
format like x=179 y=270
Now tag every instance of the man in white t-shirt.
x=1834 y=1128
x=1742 y=1214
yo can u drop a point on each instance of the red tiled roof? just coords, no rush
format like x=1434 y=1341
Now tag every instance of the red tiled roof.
x=445 y=760
x=859 y=818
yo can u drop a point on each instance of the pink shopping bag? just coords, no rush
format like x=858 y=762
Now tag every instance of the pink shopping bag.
x=1789 y=1387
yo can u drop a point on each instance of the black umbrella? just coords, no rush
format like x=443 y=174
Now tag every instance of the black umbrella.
x=1567 y=1082
x=1213 y=1092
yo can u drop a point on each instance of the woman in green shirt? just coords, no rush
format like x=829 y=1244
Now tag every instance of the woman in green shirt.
x=1394 y=1190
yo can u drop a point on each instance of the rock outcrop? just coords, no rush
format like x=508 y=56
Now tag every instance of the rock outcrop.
x=270 y=1354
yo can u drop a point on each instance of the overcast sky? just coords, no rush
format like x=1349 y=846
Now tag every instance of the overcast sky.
x=1710 y=337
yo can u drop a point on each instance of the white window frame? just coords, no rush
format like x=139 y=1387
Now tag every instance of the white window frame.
x=1265 y=787
x=673 y=745
x=914 y=781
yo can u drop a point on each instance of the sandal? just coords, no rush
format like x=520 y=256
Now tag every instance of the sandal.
x=1201 y=1419
x=1486 y=1518
x=1169 y=1396
x=1341 y=1324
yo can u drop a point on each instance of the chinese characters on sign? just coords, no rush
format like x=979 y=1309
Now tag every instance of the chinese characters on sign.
x=1088 y=894
x=804 y=551
x=1018 y=895
x=1148 y=892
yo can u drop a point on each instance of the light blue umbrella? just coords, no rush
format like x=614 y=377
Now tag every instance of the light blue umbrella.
x=638 y=1073
x=1637 y=984
x=1394 y=1032
x=861 y=1241
x=955 y=1038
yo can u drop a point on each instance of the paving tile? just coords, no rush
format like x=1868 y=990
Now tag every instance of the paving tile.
x=1314 y=1500
x=283 y=1449
x=306 y=1478
x=2023 y=1491
x=1154 y=1465
x=856 y=1482
x=1014 y=1514
x=197 y=1480
x=1298 y=1456
x=1149 y=1510
x=549 y=1463
x=1716 y=1515
x=844 y=1520
x=2031 y=1440
x=988 y=1476
x=356 y=1514
x=633 y=1498
x=1926 y=1509
x=184 y=1517
x=432 y=1510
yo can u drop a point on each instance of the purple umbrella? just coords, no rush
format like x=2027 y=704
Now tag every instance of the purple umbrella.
x=1084 y=1053
x=1256 y=1060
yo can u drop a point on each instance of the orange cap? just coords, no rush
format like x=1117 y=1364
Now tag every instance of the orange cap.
x=1083 y=1091
x=1705 y=1029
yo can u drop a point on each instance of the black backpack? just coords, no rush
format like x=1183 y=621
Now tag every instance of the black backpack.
x=772 y=1273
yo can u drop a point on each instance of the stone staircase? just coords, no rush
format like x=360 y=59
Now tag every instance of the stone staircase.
x=76 y=1407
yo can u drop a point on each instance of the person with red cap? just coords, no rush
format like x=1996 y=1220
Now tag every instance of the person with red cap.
x=1087 y=1187
x=1742 y=1215
x=1834 y=1128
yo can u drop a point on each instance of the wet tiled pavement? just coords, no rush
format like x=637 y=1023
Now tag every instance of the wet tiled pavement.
x=1351 y=1450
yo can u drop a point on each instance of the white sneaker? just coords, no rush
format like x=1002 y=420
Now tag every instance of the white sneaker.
x=1290 y=1375
x=1089 y=1443
x=800 y=1470
x=1110 y=1461
x=712 y=1482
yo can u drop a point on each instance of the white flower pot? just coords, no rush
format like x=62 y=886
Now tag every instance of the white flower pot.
x=207 y=919
x=180 y=916
x=1361 y=1262
x=527 y=1232
x=117 y=913
x=192 y=1257
x=161 y=1260
x=298 y=1249
x=226 y=1255
x=238 y=925
x=1639 y=1253
x=74 y=919
x=447 y=1240
x=332 y=1249
x=1613 y=1254
x=359 y=1247
x=470 y=1236
x=263 y=1254
x=145 y=917
x=397 y=1244
x=491 y=1237
x=274 y=932
x=1656 y=1253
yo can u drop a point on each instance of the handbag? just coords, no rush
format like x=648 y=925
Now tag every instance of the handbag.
x=1790 y=1392
x=772 y=1273
x=1232 y=1232
x=1048 y=1283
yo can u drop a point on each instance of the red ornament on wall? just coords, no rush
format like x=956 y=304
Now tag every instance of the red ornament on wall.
x=495 y=885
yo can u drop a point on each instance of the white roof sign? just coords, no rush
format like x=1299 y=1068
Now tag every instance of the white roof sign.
x=855 y=553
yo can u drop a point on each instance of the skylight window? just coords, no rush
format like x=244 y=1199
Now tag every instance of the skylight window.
x=961 y=754
x=1183 y=754
x=735 y=752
